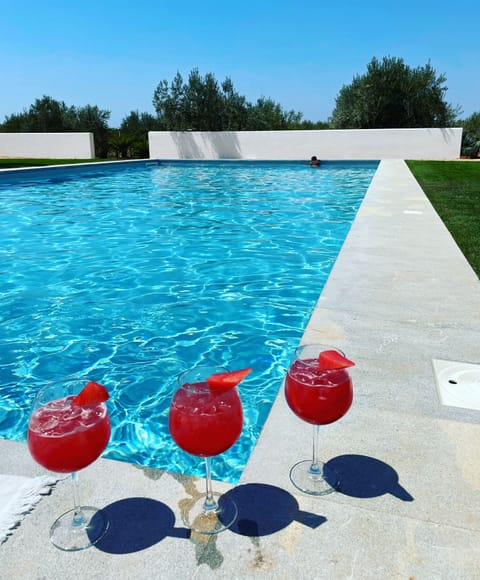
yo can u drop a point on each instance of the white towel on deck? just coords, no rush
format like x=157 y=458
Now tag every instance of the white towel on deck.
x=18 y=496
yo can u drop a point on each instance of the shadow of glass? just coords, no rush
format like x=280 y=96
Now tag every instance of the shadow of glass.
x=365 y=477
x=137 y=523
x=266 y=509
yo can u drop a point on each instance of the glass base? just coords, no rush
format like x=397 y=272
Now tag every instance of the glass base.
x=213 y=520
x=320 y=481
x=74 y=531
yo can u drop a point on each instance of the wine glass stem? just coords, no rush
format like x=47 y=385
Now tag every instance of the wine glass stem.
x=210 y=503
x=315 y=467
x=78 y=517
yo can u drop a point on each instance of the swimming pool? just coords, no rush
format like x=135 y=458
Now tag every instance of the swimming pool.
x=129 y=274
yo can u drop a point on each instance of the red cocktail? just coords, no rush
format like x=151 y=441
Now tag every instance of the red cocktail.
x=318 y=389
x=203 y=422
x=318 y=396
x=68 y=430
x=206 y=419
x=64 y=439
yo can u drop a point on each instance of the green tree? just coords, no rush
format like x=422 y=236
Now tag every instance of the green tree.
x=13 y=123
x=392 y=95
x=168 y=101
x=201 y=104
x=267 y=115
x=94 y=120
x=136 y=127
x=471 y=136
x=139 y=124
x=46 y=115
x=305 y=125
x=235 y=109
x=120 y=143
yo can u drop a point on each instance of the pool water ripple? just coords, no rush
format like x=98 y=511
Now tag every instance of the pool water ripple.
x=131 y=276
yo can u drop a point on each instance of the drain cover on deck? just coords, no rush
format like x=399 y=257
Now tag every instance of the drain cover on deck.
x=458 y=383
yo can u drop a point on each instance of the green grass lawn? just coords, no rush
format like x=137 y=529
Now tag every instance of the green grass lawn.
x=17 y=163
x=453 y=188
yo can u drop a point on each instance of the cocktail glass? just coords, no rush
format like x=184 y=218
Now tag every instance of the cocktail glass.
x=64 y=439
x=319 y=397
x=205 y=422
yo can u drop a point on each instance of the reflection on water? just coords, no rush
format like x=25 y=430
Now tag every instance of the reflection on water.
x=132 y=276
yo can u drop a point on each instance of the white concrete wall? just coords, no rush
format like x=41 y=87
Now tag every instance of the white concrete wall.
x=328 y=144
x=47 y=145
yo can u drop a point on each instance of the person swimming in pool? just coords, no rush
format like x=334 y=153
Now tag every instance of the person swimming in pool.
x=314 y=162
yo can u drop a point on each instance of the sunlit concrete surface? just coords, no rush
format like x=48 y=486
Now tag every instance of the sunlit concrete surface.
x=400 y=295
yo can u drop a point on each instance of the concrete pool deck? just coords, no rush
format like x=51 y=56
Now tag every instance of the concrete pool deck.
x=400 y=295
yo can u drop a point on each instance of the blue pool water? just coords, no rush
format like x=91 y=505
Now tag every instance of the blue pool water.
x=130 y=275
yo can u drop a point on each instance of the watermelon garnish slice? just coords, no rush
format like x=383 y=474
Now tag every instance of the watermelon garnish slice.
x=330 y=360
x=91 y=394
x=228 y=380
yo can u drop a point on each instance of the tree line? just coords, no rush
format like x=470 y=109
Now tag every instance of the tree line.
x=390 y=94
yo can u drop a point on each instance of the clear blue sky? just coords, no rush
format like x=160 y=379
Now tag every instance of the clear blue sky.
x=113 y=54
